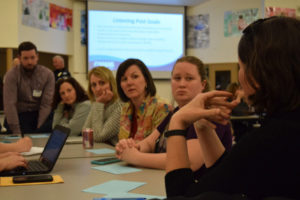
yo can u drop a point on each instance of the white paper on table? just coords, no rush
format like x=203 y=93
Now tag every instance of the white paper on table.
x=33 y=151
x=74 y=140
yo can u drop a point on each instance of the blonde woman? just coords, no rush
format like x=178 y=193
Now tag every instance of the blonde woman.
x=104 y=117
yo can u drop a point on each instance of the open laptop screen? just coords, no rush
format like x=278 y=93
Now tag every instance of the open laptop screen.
x=54 y=146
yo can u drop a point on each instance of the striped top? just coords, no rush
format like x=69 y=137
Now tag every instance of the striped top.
x=105 y=121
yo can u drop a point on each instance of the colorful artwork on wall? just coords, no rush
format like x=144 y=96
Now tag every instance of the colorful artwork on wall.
x=276 y=11
x=35 y=13
x=236 y=21
x=83 y=27
x=60 y=17
x=198 y=31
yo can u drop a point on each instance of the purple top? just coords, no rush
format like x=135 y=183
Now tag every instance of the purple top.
x=223 y=132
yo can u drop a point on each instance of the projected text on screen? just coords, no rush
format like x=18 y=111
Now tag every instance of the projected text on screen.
x=154 y=38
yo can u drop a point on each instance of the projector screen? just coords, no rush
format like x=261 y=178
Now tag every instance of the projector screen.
x=153 y=34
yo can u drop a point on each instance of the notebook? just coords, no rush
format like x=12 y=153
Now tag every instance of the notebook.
x=48 y=158
x=74 y=140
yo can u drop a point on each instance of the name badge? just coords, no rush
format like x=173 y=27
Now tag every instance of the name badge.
x=37 y=93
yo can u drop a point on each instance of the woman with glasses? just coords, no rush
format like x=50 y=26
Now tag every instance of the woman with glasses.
x=264 y=163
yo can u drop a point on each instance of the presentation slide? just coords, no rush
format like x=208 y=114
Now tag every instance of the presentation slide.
x=155 y=38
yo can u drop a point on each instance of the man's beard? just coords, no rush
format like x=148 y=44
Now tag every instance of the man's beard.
x=28 y=70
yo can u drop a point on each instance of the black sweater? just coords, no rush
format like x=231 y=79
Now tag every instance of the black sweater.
x=266 y=162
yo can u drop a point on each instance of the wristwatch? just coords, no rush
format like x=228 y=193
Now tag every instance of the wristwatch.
x=176 y=132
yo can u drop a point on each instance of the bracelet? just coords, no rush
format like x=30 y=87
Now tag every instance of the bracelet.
x=175 y=132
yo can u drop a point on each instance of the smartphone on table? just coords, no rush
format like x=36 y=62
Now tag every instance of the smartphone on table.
x=104 y=161
x=33 y=178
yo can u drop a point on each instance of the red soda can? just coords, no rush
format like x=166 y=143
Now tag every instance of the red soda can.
x=87 y=138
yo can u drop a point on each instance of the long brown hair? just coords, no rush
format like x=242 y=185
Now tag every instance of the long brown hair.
x=270 y=51
x=80 y=92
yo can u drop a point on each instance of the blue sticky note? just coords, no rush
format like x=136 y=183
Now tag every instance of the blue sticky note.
x=112 y=186
x=12 y=137
x=39 y=136
x=121 y=198
x=101 y=151
x=117 y=169
x=6 y=141
x=132 y=196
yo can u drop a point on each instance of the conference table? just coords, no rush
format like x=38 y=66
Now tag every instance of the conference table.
x=74 y=166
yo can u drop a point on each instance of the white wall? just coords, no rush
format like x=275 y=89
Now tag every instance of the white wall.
x=9 y=24
x=283 y=3
x=52 y=41
x=77 y=62
x=221 y=49
x=14 y=32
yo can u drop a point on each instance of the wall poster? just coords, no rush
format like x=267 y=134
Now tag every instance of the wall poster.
x=60 y=17
x=198 y=31
x=83 y=27
x=236 y=21
x=276 y=11
x=35 y=13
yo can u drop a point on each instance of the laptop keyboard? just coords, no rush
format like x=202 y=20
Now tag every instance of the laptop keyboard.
x=19 y=169
x=35 y=165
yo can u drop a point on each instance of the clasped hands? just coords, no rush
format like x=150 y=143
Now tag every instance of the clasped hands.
x=203 y=109
x=126 y=149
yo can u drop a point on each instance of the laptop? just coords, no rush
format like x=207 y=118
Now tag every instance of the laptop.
x=48 y=158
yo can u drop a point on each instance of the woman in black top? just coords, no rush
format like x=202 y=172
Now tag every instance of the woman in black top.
x=265 y=162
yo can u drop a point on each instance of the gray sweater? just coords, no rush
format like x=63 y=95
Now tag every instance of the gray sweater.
x=105 y=121
x=27 y=91
x=76 y=121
